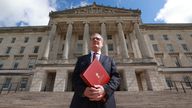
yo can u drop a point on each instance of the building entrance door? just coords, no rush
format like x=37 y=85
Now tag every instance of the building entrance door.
x=50 y=81
x=143 y=81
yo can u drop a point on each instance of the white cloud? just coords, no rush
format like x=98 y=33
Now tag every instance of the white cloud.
x=176 y=11
x=27 y=12
x=82 y=3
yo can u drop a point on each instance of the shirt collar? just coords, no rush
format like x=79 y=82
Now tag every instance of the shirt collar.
x=99 y=52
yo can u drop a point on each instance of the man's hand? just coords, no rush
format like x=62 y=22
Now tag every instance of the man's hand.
x=95 y=93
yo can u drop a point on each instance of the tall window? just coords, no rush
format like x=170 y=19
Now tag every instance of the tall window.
x=169 y=82
x=170 y=48
x=80 y=37
x=155 y=47
x=176 y=60
x=15 y=65
x=79 y=47
x=179 y=37
x=165 y=37
x=22 y=50
x=13 y=40
x=151 y=37
x=63 y=46
x=1 y=65
x=110 y=47
x=36 y=49
x=1 y=39
x=159 y=59
x=187 y=81
x=109 y=37
x=23 y=83
x=32 y=61
x=39 y=39
x=184 y=46
x=7 y=83
x=8 y=50
x=26 y=39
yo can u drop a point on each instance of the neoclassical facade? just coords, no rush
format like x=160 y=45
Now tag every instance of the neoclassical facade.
x=148 y=56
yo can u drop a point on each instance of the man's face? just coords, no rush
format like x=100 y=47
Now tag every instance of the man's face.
x=96 y=42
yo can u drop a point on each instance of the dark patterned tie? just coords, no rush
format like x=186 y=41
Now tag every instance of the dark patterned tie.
x=94 y=55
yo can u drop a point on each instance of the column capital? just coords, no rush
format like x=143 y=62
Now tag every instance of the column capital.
x=69 y=22
x=119 y=21
x=102 y=21
x=86 y=22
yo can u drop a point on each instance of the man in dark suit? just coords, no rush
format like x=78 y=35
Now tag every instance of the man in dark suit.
x=99 y=96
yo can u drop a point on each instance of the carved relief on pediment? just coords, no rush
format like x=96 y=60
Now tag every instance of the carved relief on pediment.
x=94 y=10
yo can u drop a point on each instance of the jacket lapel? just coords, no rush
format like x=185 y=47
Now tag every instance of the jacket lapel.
x=102 y=58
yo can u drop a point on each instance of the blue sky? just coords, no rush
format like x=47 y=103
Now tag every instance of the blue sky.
x=149 y=8
x=36 y=12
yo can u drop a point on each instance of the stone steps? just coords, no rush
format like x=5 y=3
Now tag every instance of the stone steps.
x=163 y=99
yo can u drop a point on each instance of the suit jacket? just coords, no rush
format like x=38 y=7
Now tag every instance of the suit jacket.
x=78 y=100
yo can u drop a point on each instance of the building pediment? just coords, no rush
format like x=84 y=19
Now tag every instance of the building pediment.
x=95 y=9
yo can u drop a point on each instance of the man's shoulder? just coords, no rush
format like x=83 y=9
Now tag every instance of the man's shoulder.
x=83 y=56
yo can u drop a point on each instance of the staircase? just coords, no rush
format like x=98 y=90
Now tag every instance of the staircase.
x=149 y=99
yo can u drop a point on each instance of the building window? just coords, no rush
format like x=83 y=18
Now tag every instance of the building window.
x=184 y=46
x=165 y=37
x=170 y=47
x=32 y=61
x=8 y=50
x=169 y=82
x=13 y=40
x=26 y=39
x=179 y=37
x=151 y=37
x=187 y=81
x=7 y=83
x=176 y=61
x=15 y=66
x=155 y=47
x=110 y=47
x=39 y=39
x=159 y=60
x=64 y=37
x=63 y=46
x=80 y=37
x=109 y=37
x=125 y=36
x=79 y=47
x=22 y=50
x=1 y=39
x=36 y=49
x=1 y=65
x=23 y=83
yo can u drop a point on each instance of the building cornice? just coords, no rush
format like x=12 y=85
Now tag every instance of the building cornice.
x=24 y=29
x=167 y=26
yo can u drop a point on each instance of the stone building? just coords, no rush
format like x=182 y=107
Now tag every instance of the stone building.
x=148 y=56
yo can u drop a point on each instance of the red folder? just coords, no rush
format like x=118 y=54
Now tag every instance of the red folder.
x=95 y=74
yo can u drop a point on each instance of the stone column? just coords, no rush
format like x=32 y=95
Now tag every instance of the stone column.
x=154 y=80
x=47 y=46
x=131 y=79
x=104 y=35
x=38 y=81
x=146 y=53
x=67 y=40
x=123 y=41
x=60 y=81
x=135 y=45
x=85 y=38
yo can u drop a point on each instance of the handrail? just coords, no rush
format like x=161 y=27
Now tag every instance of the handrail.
x=174 y=85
